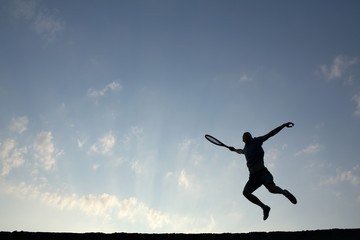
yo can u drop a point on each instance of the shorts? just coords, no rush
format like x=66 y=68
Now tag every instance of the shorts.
x=256 y=180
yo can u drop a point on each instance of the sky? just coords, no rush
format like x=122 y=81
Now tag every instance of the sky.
x=105 y=104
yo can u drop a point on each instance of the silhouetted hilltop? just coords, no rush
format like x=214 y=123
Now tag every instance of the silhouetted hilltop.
x=331 y=234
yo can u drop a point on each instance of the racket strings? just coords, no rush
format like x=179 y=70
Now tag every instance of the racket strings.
x=213 y=140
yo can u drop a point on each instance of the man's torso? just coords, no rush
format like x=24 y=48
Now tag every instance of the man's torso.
x=254 y=154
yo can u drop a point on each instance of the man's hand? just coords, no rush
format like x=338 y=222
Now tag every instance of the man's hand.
x=289 y=124
x=232 y=149
x=239 y=151
x=276 y=130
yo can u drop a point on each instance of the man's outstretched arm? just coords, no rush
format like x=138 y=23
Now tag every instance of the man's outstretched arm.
x=277 y=130
x=239 y=151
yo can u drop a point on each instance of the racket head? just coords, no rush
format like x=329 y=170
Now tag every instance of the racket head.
x=214 y=140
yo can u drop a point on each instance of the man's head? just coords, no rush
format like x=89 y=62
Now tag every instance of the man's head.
x=247 y=137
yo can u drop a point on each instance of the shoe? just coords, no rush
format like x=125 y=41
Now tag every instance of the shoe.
x=266 y=210
x=290 y=196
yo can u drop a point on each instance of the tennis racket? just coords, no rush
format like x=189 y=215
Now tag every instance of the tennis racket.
x=215 y=141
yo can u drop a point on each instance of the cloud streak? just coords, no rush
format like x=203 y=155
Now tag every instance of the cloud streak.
x=356 y=99
x=344 y=176
x=338 y=68
x=42 y=21
x=47 y=25
x=311 y=149
x=11 y=157
x=104 y=145
x=108 y=206
x=45 y=150
x=102 y=92
x=245 y=78
x=19 y=124
x=184 y=180
x=23 y=9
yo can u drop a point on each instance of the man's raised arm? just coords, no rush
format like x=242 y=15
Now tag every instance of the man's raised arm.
x=277 y=130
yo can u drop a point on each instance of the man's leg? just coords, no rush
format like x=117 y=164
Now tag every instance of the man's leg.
x=247 y=192
x=277 y=190
x=274 y=189
x=268 y=181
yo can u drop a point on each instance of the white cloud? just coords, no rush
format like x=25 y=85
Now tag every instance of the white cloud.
x=311 y=149
x=108 y=206
x=183 y=180
x=45 y=150
x=207 y=228
x=184 y=146
x=344 y=176
x=169 y=174
x=196 y=159
x=47 y=25
x=104 y=145
x=96 y=205
x=136 y=130
x=338 y=67
x=23 y=9
x=184 y=150
x=95 y=166
x=19 y=124
x=156 y=219
x=42 y=21
x=132 y=137
x=80 y=143
x=272 y=154
x=136 y=166
x=11 y=157
x=356 y=99
x=245 y=78
x=100 y=93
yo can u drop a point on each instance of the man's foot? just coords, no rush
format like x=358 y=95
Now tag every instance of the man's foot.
x=290 y=196
x=266 y=210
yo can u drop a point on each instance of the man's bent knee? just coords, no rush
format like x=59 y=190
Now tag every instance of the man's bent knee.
x=273 y=188
x=247 y=193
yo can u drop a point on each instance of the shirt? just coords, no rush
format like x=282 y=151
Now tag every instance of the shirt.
x=253 y=151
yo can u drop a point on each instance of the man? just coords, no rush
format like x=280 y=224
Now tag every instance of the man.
x=259 y=174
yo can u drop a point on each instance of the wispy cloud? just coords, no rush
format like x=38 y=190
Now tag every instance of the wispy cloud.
x=338 y=68
x=136 y=166
x=104 y=145
x=81 y=143
x=311 y=149
x=44 y=150
x=46 y=23
x=101 y=205
x=19 y=124
x=23 y=9
x=245 y=78
x=184 y=146
x=272 y=154
x=344 y=176
x=184 y=180
x=156 y=219
x=10 y=156
x=133 y=137
x=101 y=92
x=356 y=99
x=108 y=206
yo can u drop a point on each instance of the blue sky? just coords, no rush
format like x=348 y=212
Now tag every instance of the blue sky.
x=105 y=104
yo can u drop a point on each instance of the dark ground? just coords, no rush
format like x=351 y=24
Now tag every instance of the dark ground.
x=330 y=234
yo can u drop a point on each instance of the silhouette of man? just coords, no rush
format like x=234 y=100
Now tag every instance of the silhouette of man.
x=259 y=174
